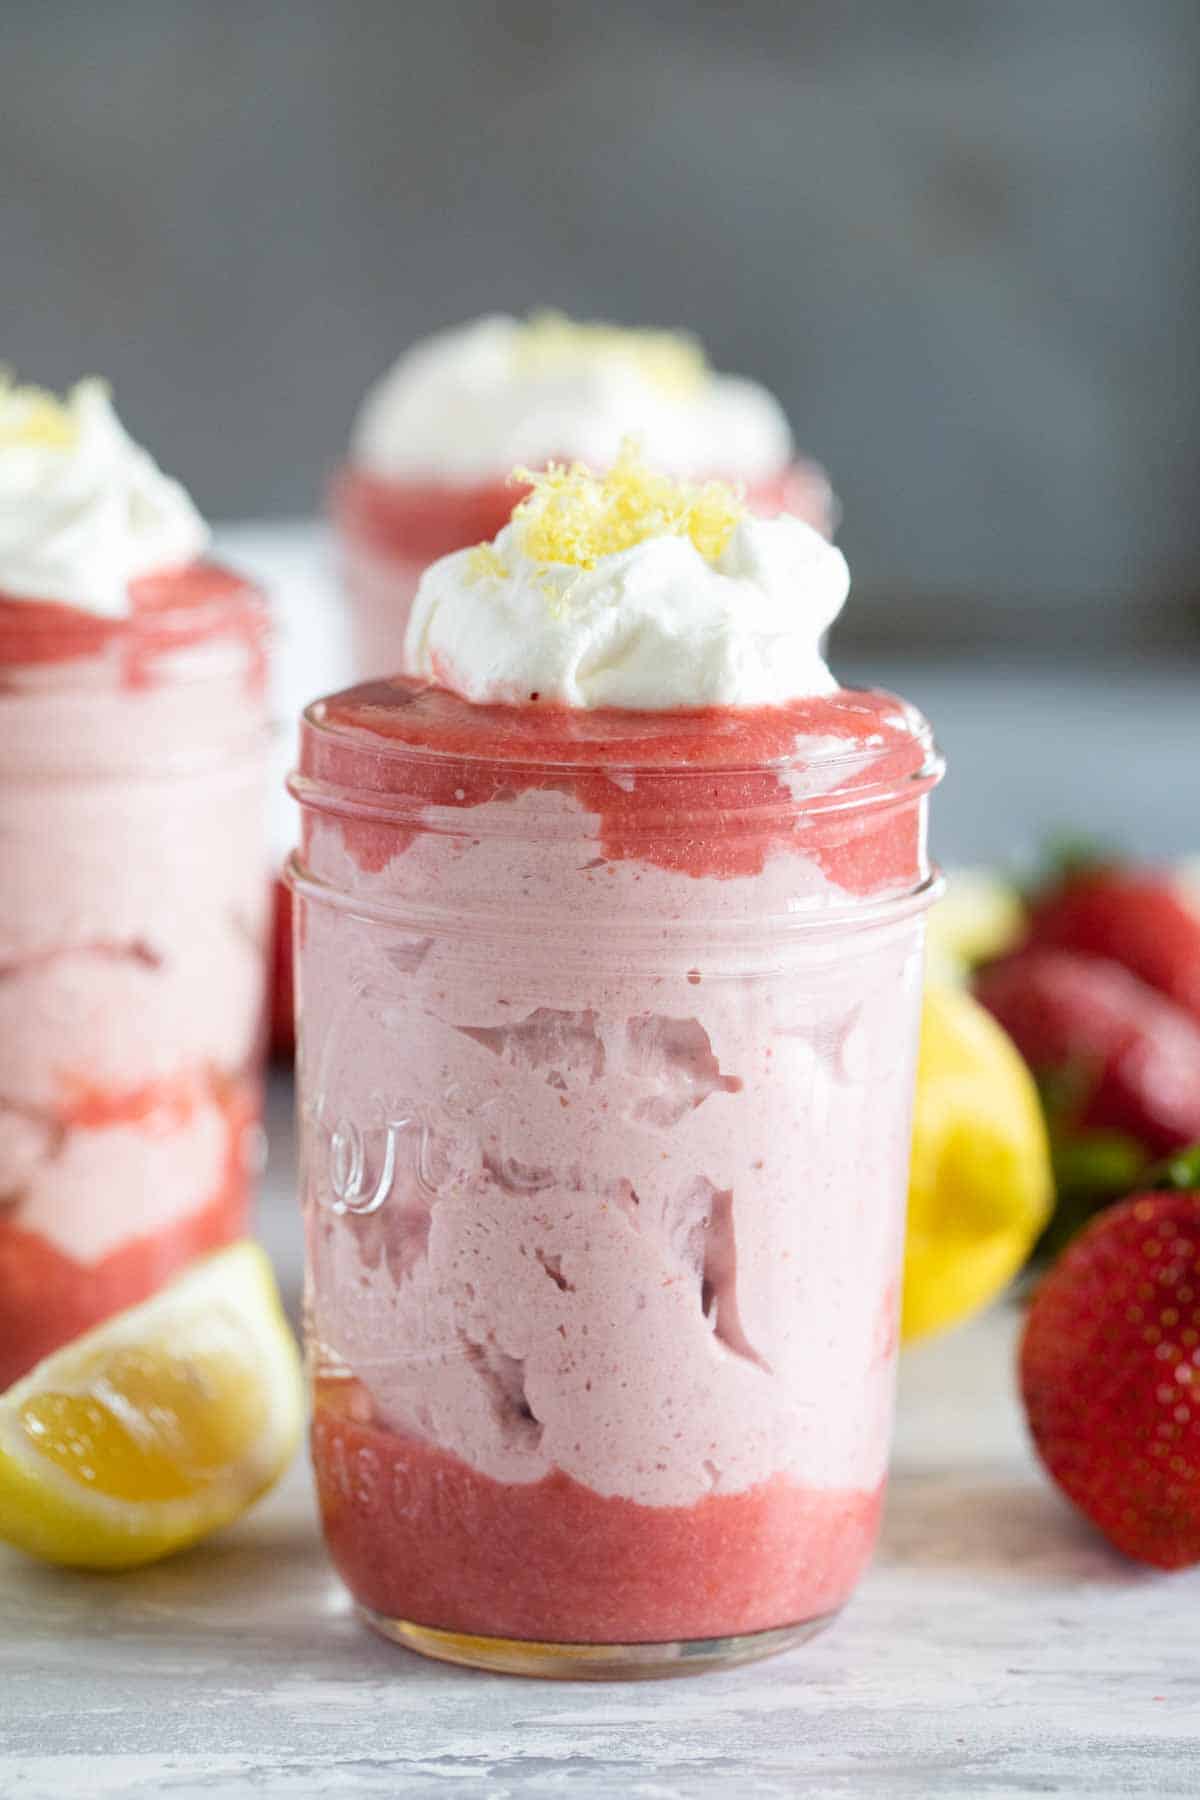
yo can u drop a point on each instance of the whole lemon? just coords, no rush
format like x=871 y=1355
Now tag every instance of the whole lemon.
x=980 y=1182
x=979 y=916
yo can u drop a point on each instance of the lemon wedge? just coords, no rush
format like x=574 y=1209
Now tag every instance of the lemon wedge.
x=157 y=1427
x=980 y=1181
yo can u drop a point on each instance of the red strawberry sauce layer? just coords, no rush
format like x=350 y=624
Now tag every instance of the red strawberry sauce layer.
x=833 y=777
x=418 y=521
x=418 y=1535
x=169 y=612
x=47 y=1297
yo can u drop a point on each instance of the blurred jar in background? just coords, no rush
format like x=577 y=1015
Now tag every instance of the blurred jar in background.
x=133 y=890
x=430 y=455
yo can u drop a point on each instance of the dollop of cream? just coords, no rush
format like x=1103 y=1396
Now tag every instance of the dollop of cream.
x=468 y=403
x=83 y=509
x=655 y=627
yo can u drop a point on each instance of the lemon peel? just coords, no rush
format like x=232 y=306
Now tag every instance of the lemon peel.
x=575 y=517
x=980 y=1179
x=157 y=1427
x=672 y=361
x=980 y=916
x=485 y=563
x=32 y=418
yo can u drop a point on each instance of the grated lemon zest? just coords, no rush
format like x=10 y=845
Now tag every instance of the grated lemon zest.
x=32 y=418
x=672 y=361
x=576 y=517
x=486 y=563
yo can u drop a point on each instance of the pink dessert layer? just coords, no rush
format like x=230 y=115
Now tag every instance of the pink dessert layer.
x=132 y=945
x=419 y=1535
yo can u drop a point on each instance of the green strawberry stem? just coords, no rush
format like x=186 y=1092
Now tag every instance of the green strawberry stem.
x=1092 y=1169
x=1178 y=1173
x=1097 y=1165
x=1063 y=858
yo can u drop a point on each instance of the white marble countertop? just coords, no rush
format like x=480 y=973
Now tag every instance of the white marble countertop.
x=996 y=1648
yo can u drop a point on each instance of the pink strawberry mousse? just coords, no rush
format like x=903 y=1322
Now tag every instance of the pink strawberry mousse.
x=132 y=895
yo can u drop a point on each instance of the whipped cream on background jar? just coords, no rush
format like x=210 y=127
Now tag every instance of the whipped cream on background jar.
x=434 y=442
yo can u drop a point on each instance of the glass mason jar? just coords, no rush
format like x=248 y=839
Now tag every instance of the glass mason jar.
x=606 y=1047
x=388 y=531
x=133 y=888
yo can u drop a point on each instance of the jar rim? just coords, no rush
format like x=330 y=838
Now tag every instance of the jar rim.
x=706 y=792
x=860 y=913
x=388 y=807
x=352 y=771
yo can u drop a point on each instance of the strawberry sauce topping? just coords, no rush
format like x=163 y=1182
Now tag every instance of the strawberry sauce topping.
x=835 y=777
x=172 y=611
x=420 y=520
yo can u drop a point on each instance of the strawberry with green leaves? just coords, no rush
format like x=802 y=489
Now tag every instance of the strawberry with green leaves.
x=1141 y=918
x=1102 y=997
x=1110 y=1370
x=1110 y=1053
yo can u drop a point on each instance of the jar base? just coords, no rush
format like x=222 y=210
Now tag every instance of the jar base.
x=593 y=1662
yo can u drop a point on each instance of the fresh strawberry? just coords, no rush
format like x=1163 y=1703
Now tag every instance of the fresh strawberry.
x=1111 y=1053
x=1139 y=918
x=1110 y=1373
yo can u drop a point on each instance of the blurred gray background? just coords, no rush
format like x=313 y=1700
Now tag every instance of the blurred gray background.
x=959 y=238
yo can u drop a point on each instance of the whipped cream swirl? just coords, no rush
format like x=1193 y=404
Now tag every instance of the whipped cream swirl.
x=467 y=404
x=83 y=509
x=655 y=627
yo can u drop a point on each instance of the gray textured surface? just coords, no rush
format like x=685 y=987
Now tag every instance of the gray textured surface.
x=959 y=238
